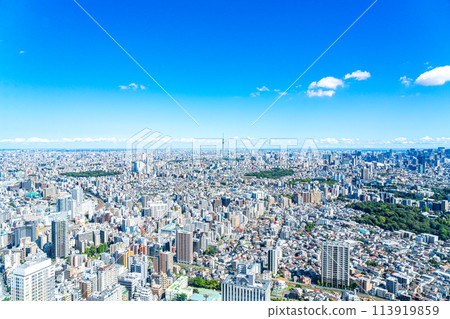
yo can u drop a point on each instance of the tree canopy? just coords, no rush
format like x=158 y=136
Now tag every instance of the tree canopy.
x=273 y=173
x=90 y=174
x=394 y=217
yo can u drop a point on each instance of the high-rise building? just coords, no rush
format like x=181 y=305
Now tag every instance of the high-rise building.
x=63 y=204
x=78 y=195
x=244 y=286
x=104 y=235
x=165 y=262
x=114 y=292
x=184 y=247
x=28 y=230
x=130 y=281
x=274 y=255
x=86 y=288
x=139 y=264
x=106 y=276
x=34 y=280
x=392 y=285
x=60 y=238
x=365 y=174
x=335 y=264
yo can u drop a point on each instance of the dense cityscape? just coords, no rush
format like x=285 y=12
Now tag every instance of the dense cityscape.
x=313 y=226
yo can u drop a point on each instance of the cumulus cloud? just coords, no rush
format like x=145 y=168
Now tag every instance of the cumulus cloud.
x=436 y=76
x=400 y=140
x=38 y=140
x=133 y=86
x=262 y=89
x=335 y=141
x=426 y=139
x=13 y=140
x=405 y=80
x=316 y=89
x=329 y=140
x=347 y=140
x=320 y=93
x=358 y=75
x=328 y=82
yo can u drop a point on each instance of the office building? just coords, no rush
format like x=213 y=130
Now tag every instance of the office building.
x=78 y=195
x=164 y=262
x=392 y=285
x=106 y=276
x=335 y=264
x=114 y=292
x=130 y=281
x=244 y=286
x=184 y=247
x=63 y=204
x=274 y=255
x=139 y=264
x=28 y=230
x=34 y=280
x=60 y=238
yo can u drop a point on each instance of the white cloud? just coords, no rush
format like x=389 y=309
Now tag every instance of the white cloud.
x=255 y=94
x=347 y=140
x=26 y=140
x=90 y=139
x=21 y=52
x=262 y=89
x=328 y=82
x=38 y=140
x=443 y=139
x=329 y=140
x=401 y=140
x=133 y=86
x=358 y=75
x=426 y=139
x=436 y=76
x=13 y=140
x=405 y=80
x=320 y=93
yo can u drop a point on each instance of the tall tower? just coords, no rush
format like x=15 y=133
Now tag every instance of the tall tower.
x=60 y=238
x=165 y=262
x=185 y=247
x=335 y=263
x=273 y=258
x=223 y=145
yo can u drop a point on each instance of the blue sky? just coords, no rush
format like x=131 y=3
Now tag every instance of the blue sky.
x=65 y=83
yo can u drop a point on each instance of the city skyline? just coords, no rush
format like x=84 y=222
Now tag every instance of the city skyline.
x=66 y=84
